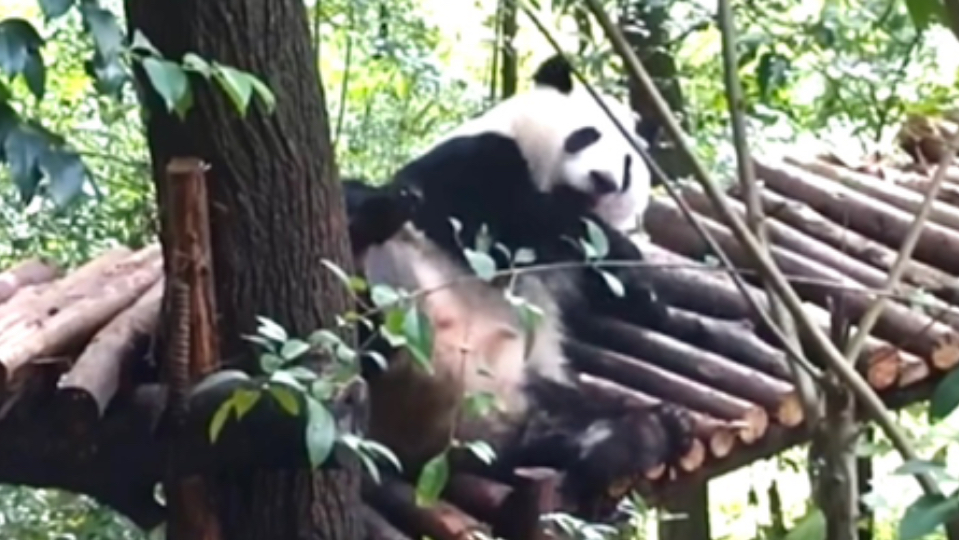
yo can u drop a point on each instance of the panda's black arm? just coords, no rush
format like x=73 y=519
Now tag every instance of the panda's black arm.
x=375 y=213
x=639 y=303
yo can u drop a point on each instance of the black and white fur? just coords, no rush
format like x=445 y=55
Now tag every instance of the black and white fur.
x=529 y=169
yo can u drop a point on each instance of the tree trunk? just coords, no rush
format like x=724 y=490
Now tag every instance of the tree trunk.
x=276 y=212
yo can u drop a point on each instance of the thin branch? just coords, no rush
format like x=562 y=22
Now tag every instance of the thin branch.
x=348 y=63
x=831 y=354
x=872 y=314
x=754 y=208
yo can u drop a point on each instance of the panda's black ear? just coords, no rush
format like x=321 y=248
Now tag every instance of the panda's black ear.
x=555 y=72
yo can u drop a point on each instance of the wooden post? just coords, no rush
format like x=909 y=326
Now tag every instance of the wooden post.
x=688 y=509
x=192 y=349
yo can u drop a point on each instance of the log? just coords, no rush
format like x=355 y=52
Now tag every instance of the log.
x=913 y=371
x=38 y=300
x=888 y=192
x=671 y=387
x=377 y=528
x=734 y=339
x=898 y=324
x=29 y=272
x=938 y=245
x=480 y=497
x=708 y=290
x=920 y=183
x=80 y=319
x=802 y=244
x=396 y=501
x=795 y=241
x=534 y=495
x=95 y=377
x=804 y=218
x=720 y=436
x=774 y=395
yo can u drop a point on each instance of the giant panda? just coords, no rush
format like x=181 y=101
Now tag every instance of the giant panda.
x=527 y=172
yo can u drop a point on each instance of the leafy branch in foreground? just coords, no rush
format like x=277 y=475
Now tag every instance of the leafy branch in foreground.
x=33 y=153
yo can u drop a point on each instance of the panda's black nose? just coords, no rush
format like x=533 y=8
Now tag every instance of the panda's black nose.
x=603 y=183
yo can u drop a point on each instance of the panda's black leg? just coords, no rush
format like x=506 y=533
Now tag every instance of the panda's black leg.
x=603 y=446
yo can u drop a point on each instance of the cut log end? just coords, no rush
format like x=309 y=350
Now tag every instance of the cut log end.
x=657 y=472
x=946 y=354
x=790 y=412
x=722 y=442
x=754 y=424
x=695 y=457
x=883 y=367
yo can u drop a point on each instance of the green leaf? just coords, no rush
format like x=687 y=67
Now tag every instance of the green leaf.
x=320 y=432
x=220 y=417
x=925 y=12
x=482 y=450
x=478 y=404
x=23 y=147
x=337 y=271
x=923 y=466
x=597 y=239
x=812 y=526
x=524 y=256
x=109 y=74
x=219 y=378
x=383 y=295
x=53 y=9
x=244 y=401
x=193 y=62
x=142 y=43
x=236 y=84
x=925 y=514
x=103 y=26
x=432 y=480
x=18 y=40
x=170 y=81
x=294 y=349
x=286 y=399
x=615 y=285
x=35 y=74
x=376 y=449
x=419 y=336
x=945 y=397
x=270 y=362
x=66 y=172
x=271 y=330
x=482 y=264
x=301 y=373
x=265 y=94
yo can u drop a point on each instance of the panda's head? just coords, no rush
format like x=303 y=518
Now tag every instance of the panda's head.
x=569 y=141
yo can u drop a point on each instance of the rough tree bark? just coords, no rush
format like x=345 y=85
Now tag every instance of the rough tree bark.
x=276 y=212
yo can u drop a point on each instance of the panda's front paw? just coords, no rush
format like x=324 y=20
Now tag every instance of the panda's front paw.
x=678 y=428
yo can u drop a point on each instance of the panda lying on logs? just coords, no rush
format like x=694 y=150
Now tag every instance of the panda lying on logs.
x=529 y=170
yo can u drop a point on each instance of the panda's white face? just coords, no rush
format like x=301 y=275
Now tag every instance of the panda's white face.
x=569 y=140
x=596 y=159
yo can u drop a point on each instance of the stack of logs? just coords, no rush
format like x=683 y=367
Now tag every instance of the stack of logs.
x=834 y=230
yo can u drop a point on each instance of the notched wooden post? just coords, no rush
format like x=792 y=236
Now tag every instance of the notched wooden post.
x=192 y=349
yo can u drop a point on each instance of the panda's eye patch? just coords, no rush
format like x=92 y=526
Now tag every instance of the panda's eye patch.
x=580 y=139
